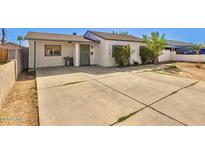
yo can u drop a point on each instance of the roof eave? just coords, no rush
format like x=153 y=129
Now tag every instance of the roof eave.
x=36 y=39
x=125 y=40
x=112 y=39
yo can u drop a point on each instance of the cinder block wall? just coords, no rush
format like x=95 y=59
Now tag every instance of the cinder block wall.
x=9 y=73
x=7 y=79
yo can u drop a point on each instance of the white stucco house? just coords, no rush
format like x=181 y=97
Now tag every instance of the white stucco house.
x=94 y=48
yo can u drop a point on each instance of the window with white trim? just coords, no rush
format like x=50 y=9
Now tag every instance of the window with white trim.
x=52 y=50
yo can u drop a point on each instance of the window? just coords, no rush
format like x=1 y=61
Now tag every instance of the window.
x=52 y=50
x=167 y=48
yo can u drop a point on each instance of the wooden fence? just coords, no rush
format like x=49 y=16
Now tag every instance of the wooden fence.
x=3 y=55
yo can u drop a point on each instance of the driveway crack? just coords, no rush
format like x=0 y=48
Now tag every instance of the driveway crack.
x=121 y=119
x=65 y=84
x=134 y=112
x=174 y=92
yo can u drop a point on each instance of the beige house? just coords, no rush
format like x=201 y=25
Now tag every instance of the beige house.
x=94 y=48
x=12 y=46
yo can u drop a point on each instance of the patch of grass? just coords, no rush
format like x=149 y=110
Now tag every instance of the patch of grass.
x=123 y=118
x=154 y=70
x=168 y=69
x=70 y=83
x=126 y=117
x=173 y=66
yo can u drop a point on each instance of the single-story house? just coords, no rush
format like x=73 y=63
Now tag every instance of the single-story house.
x=179 y=46
x=94 y=48
x=12 y=46
x=174 y=47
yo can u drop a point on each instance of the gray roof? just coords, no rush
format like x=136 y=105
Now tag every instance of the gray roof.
x=117 y=37
x=178 y=43
x=55 y=37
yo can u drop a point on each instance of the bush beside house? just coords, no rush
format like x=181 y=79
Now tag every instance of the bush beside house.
x=146 y=55
x=122 y=55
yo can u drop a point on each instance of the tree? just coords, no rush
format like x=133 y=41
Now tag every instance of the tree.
x=123 y=33
x=156 y=44
x=196 y=48
x=122 y=55
x=3 y=41
x=120 y=32
x=20 y=39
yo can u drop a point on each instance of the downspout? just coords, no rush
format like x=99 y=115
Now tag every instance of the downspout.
x=34 y=62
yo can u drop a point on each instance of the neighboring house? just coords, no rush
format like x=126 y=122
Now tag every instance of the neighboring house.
x=174 y=47
x=12 y=48
x=179 y=46
x=11 y=45
x=94 y=48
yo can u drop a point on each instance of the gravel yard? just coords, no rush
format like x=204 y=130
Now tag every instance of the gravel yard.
x=20 y=108
x=184 y=69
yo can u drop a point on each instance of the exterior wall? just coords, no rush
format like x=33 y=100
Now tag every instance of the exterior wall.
x=7 y=76
x=93 y=56
x=135 y=52
x=165 y=56
x=100 y=49
x=67 y=49
x=188 y=58
x=104 y=50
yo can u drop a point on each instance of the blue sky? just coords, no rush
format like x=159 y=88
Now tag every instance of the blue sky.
x=195 y=35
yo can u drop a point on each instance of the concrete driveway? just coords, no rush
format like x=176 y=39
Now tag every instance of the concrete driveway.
x=118 y=96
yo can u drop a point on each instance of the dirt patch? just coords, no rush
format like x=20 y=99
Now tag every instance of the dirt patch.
x=20 y=107
x=184 y=69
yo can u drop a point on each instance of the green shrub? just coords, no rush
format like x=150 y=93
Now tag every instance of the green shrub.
x=147 y=56
x=122 y=55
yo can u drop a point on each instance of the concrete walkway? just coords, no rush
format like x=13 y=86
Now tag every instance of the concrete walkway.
x=118 y=96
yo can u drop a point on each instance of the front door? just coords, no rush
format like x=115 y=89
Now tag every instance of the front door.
x=84 y=54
